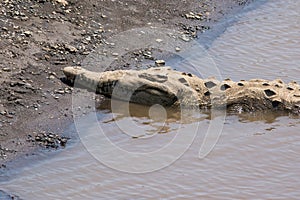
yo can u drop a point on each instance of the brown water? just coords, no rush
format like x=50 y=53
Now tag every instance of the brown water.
x=256 y=157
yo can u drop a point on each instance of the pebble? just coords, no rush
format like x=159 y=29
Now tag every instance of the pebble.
x=51 y=77
x=160 y=62
x=28 y=33
x=192 y=15
x=60 y=91
x=177 y=49
x=159 y=40
x=9 y=116
x=6 y=69
x=185 y=38
x=63 y=2
x=115 y=54
x=70 y=48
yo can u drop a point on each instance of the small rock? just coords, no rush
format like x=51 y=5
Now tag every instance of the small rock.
x=6 y=69
x=9 y=116
x=190 y=16
x=51 y=77
x=63 y=141
x=63 y=2
x=60 y=92
x=85 y=53
x=185 y=38
x=159 y=40
x=28 y=33
x=177 y=49
x=68 y=11
x=29 y=86
x=47 y=57
x=160 y=62
x=70 y=48
x=115 y=54
x=53 y=74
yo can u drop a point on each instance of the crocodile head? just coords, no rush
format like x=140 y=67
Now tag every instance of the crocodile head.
x=72 y=72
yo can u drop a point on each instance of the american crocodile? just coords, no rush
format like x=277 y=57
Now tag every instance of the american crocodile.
x=168 y=87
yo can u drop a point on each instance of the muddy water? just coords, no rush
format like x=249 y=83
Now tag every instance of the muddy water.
x=257 y=155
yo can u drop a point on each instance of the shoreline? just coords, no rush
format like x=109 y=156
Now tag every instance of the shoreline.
x=34 y=99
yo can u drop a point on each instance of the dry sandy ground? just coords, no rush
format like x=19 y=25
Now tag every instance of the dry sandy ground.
x=40 y=37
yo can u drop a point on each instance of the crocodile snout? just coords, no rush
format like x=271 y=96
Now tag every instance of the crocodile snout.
x=72 y=72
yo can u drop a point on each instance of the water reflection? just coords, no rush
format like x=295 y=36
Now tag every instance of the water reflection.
x=154 y=119
x=142 y=113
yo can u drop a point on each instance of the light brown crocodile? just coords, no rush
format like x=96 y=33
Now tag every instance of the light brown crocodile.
x=168 y=87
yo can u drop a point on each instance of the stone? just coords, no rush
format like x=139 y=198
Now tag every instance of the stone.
x=160 y=62
x=28 y=33
x=177 y=49
x=6 y=69
x=70 y=48
x=62 y=2
x=51 y=77
x=185 y=38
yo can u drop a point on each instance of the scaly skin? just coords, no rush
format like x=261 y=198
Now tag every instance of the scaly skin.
x=172 y=88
